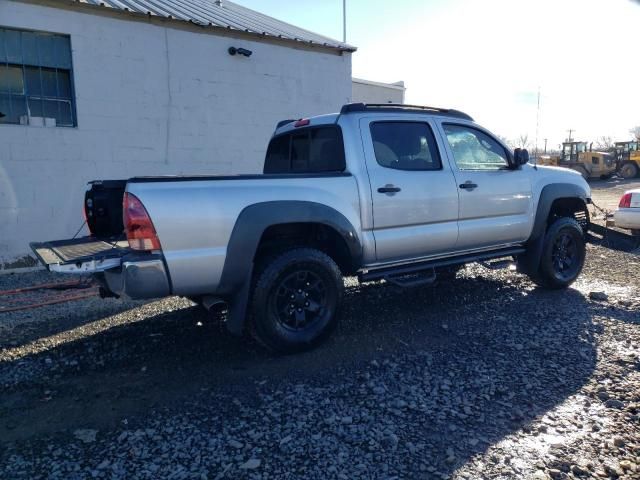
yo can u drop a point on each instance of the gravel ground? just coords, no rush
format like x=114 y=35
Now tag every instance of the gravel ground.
x=607 y=193
x=483 y=377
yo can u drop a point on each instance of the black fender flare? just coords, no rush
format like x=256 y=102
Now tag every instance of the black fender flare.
x=235 y=281
x=530 y=261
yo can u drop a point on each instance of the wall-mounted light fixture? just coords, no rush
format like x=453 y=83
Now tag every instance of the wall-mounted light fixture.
x=240 y=51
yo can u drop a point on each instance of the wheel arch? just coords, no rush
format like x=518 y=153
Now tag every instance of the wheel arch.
x=265 y=220
x=556 y=200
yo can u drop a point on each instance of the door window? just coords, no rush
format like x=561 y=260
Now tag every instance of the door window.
x=475 y=150
x=405 y=146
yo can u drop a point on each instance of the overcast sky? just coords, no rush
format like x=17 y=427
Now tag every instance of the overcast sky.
x=489 y=58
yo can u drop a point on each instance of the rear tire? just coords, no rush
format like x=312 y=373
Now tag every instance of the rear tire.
x=563 y=255
x=629 y=170
x=296 y=298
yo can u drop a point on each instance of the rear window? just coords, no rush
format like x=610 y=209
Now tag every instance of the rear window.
x=309 y=150
x=405 y=146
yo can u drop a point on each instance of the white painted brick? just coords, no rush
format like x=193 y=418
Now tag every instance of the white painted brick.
x=222 y=109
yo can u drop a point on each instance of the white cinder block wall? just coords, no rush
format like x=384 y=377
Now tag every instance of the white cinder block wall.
x=150 y=100
x=375 y=92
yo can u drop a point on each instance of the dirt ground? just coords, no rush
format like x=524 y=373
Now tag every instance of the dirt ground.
x=482 y=377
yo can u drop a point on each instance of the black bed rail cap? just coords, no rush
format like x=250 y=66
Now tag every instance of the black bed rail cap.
x=402 y=108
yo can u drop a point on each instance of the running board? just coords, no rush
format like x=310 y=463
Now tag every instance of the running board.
x=413 y=280
x=422 y=266
x=497 y=264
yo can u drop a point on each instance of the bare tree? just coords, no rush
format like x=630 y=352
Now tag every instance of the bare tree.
x=506 y=141
x=635 y=131
x=604 y=143
x=522 y=141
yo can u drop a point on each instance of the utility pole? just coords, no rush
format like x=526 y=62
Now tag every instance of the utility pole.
x=344 y=21
x=570 y=132
x=545 y=146
x=537 y=123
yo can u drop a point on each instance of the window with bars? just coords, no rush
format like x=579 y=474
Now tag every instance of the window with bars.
x=36 y=78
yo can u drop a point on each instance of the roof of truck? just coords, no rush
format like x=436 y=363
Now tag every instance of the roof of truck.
x=354 y=108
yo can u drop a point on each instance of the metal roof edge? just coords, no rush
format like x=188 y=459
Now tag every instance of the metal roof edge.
x=393 y=86
x=172 y=22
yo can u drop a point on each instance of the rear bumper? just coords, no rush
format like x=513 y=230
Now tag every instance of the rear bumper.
x=628 y=218
x=120 y=270
x=138 y=277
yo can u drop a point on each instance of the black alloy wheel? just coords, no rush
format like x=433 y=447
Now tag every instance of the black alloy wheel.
x=296 y=299
x=300 y=300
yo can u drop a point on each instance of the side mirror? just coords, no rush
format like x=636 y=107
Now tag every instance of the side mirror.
x=520 y=156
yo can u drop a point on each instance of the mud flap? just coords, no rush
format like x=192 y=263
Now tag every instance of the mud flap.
x=238 y=303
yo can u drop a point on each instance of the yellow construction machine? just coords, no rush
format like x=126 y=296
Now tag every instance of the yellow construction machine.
x=628 y=158
x=581 y=158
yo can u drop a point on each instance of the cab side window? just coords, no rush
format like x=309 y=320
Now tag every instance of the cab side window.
x=475 y=150
x=405 y=146
x=308 y=150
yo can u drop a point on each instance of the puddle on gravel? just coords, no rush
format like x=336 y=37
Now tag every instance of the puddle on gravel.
x=585 y=287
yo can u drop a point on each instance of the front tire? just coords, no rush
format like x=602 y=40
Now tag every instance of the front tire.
x=296 y=298
x=563 y=255
x=629 y=170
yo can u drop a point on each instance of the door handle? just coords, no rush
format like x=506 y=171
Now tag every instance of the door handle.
x=388 y=188
x=468 y=185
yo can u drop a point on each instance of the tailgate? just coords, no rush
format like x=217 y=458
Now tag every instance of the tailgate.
x=87 y=254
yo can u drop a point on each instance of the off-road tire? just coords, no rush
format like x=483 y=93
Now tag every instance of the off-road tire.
x=550 y=272
x=310 y=272
x=629 y=170
x=582 y=171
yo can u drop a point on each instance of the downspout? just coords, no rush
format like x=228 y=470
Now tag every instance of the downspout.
x=169 y=99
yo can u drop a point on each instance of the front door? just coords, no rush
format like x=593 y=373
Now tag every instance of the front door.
x=495 y=200
x=415 y=199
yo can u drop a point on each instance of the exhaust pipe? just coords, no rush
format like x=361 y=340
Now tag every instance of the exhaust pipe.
x=209 y=301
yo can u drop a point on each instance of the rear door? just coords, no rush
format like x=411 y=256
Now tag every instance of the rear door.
x=495 y=201
x=415 y=199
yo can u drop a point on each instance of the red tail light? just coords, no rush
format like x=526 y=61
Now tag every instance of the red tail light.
x=625 y=201
x=138 y=225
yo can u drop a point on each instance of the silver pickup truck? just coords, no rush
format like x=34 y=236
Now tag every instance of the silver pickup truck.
x=391 y=192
